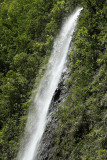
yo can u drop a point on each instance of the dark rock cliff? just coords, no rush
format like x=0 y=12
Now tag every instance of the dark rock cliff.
x=47 y=144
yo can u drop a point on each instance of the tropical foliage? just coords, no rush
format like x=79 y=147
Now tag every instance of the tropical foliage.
x=27 y=31
x=81 y=133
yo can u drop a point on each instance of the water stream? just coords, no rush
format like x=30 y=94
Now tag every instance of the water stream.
x=38 y=114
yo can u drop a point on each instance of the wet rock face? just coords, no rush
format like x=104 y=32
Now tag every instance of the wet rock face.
x=47 y=144
x=57 y=95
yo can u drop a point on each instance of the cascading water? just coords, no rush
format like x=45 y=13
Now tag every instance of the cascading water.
x=37 y=116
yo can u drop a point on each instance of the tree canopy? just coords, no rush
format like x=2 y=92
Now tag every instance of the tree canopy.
x=27 y=31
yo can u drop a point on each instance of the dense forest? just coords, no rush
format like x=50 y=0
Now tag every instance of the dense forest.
x=27 y=31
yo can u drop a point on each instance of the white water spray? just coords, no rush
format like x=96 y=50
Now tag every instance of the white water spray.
x=37 y=116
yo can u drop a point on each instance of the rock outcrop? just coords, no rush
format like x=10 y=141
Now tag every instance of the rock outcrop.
x=47 y=144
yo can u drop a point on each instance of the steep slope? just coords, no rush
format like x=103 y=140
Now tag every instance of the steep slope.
x=27 y=30
x=82 y=125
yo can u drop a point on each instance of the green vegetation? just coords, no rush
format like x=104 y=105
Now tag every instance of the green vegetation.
x=81 y=133
x=27 y=31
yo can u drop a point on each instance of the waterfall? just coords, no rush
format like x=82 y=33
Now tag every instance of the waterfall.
x=38 y=114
